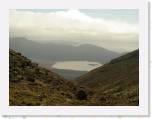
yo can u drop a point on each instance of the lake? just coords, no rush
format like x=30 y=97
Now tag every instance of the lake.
x=76 y=65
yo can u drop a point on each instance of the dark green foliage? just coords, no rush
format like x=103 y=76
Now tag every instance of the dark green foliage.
x=31 y=79
x=81 y=95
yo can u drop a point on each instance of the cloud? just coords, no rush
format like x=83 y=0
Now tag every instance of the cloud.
x=73 y=26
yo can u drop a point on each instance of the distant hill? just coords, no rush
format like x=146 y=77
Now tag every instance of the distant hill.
x=69 y=74
x=60 y=51
x=115 y=83
x=30 y=84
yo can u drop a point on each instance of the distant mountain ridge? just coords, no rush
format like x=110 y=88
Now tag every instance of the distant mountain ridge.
x=61 y=52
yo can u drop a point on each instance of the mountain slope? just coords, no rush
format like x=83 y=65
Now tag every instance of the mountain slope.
x=115 y=83
x=61 y=52
x=30 y=84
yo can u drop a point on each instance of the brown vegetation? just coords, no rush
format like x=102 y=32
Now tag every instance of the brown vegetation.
x=115 y=83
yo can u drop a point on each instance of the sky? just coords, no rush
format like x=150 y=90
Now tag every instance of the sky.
x=116 y=30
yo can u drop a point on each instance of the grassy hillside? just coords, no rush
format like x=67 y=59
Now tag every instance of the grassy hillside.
x=34 y=85
x=115 y=83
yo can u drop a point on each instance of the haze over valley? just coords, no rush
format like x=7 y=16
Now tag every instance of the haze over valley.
x=56 y=55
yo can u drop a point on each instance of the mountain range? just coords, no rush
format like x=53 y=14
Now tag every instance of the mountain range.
x=114 y=84
x=50 y=51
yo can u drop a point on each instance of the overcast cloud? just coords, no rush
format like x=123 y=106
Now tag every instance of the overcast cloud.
x=74 y=26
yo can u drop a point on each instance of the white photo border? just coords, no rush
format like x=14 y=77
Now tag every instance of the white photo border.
x=141 y=110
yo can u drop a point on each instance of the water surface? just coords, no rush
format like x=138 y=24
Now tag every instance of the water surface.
x=76 y=65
